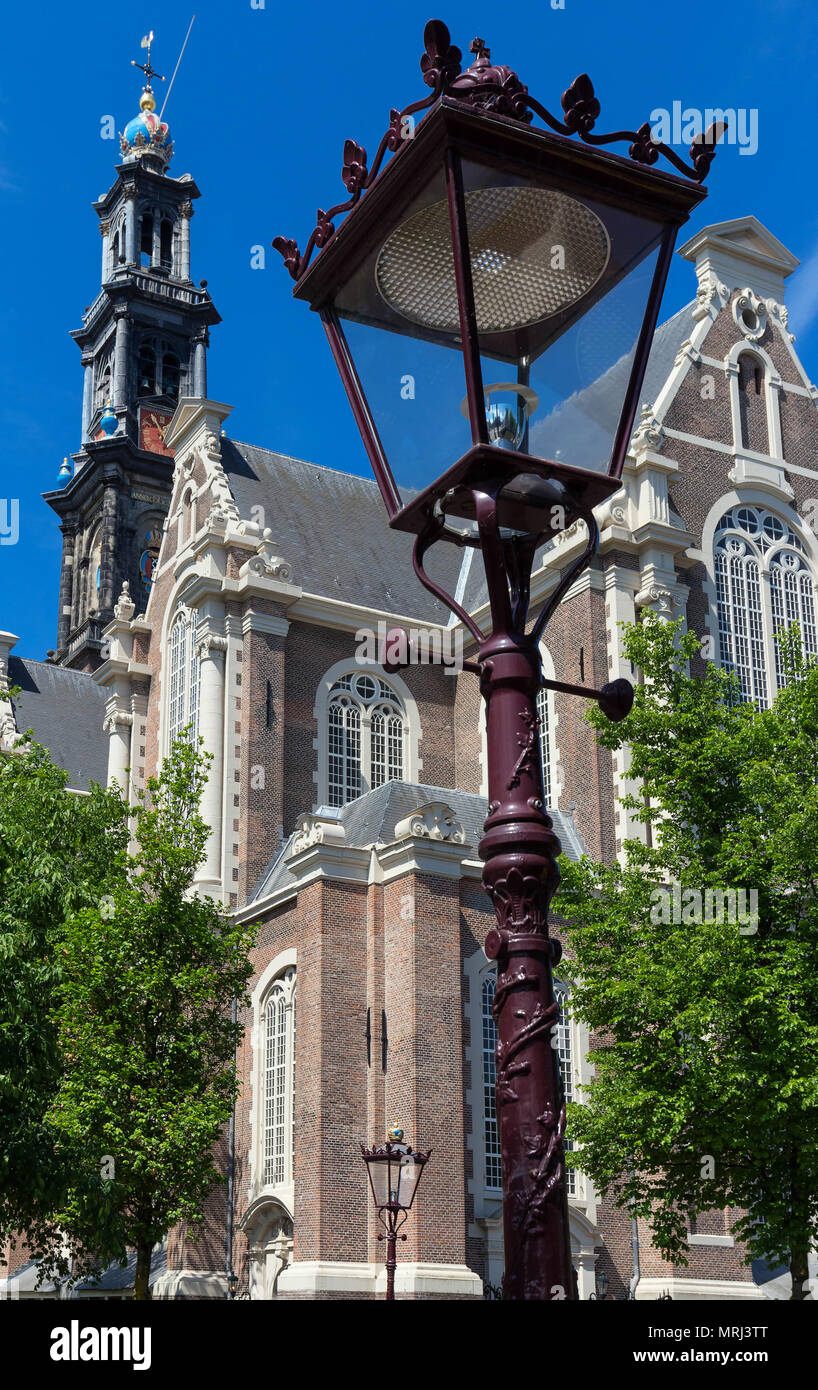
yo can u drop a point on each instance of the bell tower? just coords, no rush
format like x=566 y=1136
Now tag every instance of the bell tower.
x=144 y=344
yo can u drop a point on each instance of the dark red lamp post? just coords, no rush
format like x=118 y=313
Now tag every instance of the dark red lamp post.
x=395 y=1171
x=483 y=280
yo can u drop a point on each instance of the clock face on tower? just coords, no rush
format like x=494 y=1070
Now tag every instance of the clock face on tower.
x=153 y=424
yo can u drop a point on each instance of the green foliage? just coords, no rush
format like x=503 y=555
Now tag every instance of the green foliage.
x=146 y=984
x=59 y=852
x=705 y=1033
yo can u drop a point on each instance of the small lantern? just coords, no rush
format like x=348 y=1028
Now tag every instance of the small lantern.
x=491 y=300
x=394 y=1172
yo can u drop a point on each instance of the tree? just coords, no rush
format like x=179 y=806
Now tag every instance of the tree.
x=704 y=1016
x=60 y=851
x=144 y=1019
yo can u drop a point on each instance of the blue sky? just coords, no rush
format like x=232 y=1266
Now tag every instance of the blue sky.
x=263 y=102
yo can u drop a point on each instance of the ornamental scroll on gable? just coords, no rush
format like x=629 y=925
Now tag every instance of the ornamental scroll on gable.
x=434 y=821
x=317 y=829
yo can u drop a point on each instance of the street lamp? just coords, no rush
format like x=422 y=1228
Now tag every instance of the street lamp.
x=395 y=1170
x=490 y=298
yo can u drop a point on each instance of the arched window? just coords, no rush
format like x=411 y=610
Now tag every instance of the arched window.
x=752 y=399
x=102 y=391
x=279 y=1080
x=562 y=1035
x=366 y=736
x=170 y=375
x=94 y=572
x=545 y=712
x=146 y=368
x=183 y=698
x=158 y=369
x=146 y=239
x=187 y=519
x=166 y=243
x=763 y=584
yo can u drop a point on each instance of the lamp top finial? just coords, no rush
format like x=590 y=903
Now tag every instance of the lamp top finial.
x=395 y=1135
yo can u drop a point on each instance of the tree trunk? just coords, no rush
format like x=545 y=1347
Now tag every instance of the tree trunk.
x=141 y=1287
x=799 y=1272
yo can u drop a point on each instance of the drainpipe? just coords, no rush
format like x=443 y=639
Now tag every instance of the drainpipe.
x=231 y=1168
x=636 y=1276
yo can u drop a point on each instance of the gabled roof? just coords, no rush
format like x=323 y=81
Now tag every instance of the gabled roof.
x=65 y=710
x=371 y=820
x=332 y=528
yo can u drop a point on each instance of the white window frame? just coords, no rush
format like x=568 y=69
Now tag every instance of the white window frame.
x=183 y=686
x=278 y=1096
x=276 y=969
x=399 y=701
x=756 y=550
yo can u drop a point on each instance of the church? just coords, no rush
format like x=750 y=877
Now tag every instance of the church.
x=211 y=582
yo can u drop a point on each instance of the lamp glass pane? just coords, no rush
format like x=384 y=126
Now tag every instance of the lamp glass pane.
x=379 y=1177
x=410 y=1172
x=414 y=388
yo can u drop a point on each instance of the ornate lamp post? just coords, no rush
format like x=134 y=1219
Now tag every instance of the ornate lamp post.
x=395 y=1171
x=484 y=279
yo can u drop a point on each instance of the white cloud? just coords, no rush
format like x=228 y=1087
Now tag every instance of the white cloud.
x=802 y=298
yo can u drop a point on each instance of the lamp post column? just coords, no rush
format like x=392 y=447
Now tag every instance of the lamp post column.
x=521 y=875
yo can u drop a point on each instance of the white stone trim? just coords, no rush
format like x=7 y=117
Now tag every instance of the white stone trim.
x=327 y=1276
x=313 y=1277
x=433 y=1280
x=422 y=856
x=711 y=1240
x=191 y=1283
x=697 y=1290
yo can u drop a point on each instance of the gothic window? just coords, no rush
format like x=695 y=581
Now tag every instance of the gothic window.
x=564 y=1050
x=366 y=736
x=279 y=1079
x=763 y=584
x=183 y=706
x=166 y=243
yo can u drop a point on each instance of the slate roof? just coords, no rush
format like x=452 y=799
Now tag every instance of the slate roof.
x=332 y=528
x=65 y=710
x=590 y=417
x=371 y=819
x=114 y=1279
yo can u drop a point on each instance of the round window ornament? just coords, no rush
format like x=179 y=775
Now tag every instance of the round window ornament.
x=750 y=314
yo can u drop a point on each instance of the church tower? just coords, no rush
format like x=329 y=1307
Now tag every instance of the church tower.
x=144 y=343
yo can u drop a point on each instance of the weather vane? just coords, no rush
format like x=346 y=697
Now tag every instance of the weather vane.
x=146 y=67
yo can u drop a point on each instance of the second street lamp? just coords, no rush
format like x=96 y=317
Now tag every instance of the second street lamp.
x=395 y=1170
x=481 y=280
